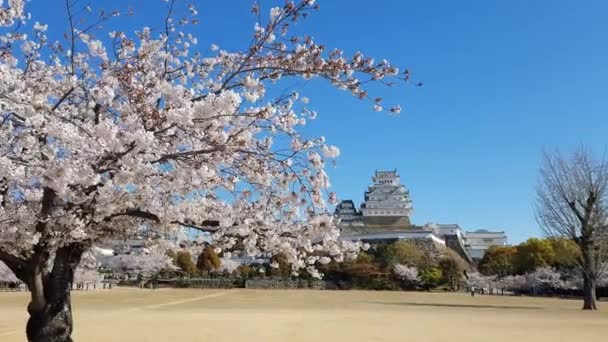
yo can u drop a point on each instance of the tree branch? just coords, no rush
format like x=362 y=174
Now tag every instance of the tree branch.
x=62 y=98
x=16 y=264
x=207 y=226
x=134 y=213
x=185 y=154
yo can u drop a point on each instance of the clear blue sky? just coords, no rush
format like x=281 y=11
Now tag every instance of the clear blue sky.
x=502 y=81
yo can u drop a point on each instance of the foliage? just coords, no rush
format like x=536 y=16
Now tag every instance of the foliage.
x=532 y=254
x=208 y=260
x=499 y=261
x=566 y=253
x=406 y=253
x=363 y=270
x=451 y=270
x=172 y=255
x=280 y=266
x=246 y=271
x=185 y=263
x=430 y=276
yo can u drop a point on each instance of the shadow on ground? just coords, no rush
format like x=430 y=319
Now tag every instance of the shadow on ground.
x=473 y=306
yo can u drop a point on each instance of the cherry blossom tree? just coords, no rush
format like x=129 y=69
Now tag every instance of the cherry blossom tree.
x=87 y=271
x=107 y=138
x=228 y=265
x=145 y=265
x=406 y=273
x=515 y=283
x=478 y=280
x=545 y=276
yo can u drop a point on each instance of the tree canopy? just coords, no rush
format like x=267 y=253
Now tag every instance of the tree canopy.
x=498 y=260
x=208 y=260
x=532 y=254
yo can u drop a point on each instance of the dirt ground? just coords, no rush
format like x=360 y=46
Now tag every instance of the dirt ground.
x=301 y=315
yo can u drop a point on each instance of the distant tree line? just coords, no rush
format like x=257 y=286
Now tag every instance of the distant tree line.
x=537 y=266
x=398 y=265
x=403 y=265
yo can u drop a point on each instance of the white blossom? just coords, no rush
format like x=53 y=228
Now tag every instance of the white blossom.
x=154 y=137
x=331 y=151
x=407 y=273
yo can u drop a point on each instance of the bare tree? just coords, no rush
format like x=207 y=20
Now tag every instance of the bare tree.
x=572 y=197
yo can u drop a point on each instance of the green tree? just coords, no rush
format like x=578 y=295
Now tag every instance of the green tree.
x=208 y=260
x=406 y=253
x=566 y=252
x=499 y=261
x=532 y=254
x=185 y=263
x=451 y=270
x=430 y=276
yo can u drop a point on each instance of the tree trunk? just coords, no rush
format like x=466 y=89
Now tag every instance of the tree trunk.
x=53 y=323
x=589 y=298
x=589 y=274
x=51 y=314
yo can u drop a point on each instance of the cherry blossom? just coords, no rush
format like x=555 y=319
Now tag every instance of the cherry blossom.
x=13 y=10
x=144 y=265
x=545 y=276
x=407 y=273
x=87 y=271
x=478 y=280
x=111 y=138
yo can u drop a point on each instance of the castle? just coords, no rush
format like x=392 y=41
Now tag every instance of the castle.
x=385 y=215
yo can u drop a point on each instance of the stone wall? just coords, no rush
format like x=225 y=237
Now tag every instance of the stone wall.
x=453 y=242
x=287 y=284
x=231 y=283
x=220 y=283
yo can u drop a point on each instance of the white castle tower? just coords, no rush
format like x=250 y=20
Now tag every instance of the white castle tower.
x=386 y=197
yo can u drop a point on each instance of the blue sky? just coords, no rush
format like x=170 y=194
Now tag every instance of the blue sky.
x=502 y=81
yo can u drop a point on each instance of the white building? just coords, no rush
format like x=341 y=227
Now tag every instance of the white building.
x=391 y=235
x=386 y=197
x=478 y=242
x=450 y=229
x=347 y=211
x=385 y=216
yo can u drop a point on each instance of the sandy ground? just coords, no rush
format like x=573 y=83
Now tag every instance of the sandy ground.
x=302 y=315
